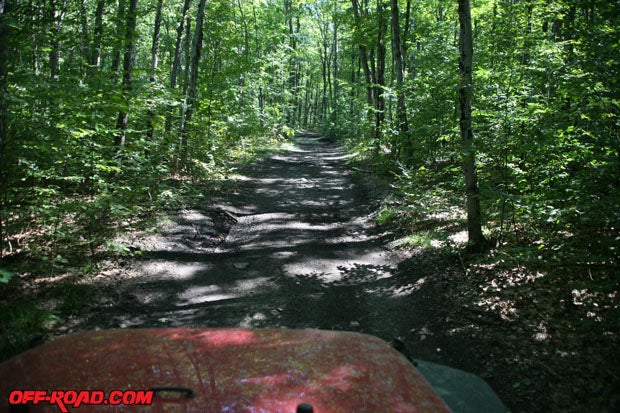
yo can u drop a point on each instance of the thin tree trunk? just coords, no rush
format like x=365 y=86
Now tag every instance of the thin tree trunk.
x=116 y=59
x=191 y=95
x=35 y=10
x=399 y=68
x=128 y=63
x=474 y=216
x=155 y=45
x=292 y=69
x=335 y=53
x=150 y=128
x=325 y=71
x=379 y=86
x=95 y=49
x=364 y=61
x=85 y=43
x=176 y=61
x=187 y=61
x=246 y=33
x=58 y=14
x=4 y=58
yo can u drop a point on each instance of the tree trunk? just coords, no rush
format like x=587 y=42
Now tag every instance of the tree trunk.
x=474 y=217
x=118 y=46
x=95 y=49
x=176 y=61
x=128 y=63
x=187 y=61
x=399 y=68
x=335 y=53
x=150 y=128
x=379 y=86
x=155 y=44
x=364 y=60
x=85 y=42
x=58 y=13
x=191 y=94
x=4 y=58
x=35 y=9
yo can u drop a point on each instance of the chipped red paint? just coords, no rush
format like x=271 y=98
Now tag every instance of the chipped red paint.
x=230 y=370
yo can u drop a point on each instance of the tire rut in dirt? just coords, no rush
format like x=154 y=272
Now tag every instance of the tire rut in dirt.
x=300 y=251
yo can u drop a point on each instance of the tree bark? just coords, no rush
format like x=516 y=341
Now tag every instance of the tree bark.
x=85 y=42
x=150 y=127
x=399 y=68
x=95 y=49
x=364 y=59
x=155 y=44
x=118 y=46
x=191 y=94
x=176 y=61
x=380 y=84
x=128 y=63
x=335 y=53
x=474 y=216
x=5 y=38
x=58 y=14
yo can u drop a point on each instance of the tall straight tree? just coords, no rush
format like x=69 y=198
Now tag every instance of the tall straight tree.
x=474 y=216
x=128 y=63
x=193 y=78
x=364 y=56
x=150 y=128
x=4 y=58
x=176 y=61
x=95 y=49
x=57 y=11
x=380 y=73
x=399 y=68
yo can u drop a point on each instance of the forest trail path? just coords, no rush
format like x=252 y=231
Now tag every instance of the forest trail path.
x=301 y=251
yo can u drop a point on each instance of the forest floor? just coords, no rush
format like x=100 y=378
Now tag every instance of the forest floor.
x=291 y=241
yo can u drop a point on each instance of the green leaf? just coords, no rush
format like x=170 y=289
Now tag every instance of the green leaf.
x=5 y=276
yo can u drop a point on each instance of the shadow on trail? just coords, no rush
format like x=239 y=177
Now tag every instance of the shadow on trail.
x=301 y=252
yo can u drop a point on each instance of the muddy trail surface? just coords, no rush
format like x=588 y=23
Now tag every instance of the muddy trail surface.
x=292 y=244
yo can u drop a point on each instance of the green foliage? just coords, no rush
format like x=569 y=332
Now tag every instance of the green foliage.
x=386 y=216
x=545 y=122
x=419 y=240
x=19 y=325
x=73 y=297
x=5 y=276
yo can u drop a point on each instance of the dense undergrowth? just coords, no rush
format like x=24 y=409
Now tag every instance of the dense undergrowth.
x=51 y=245
x=544 y=299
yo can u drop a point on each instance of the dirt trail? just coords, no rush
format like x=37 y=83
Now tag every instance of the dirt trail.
x=292 y=245
x=291 y=242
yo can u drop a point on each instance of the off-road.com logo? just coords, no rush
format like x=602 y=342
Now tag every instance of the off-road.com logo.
x=72 y=398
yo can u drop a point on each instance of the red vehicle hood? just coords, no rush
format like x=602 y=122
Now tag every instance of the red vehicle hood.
x=228 y=370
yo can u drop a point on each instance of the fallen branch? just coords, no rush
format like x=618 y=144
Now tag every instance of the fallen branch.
x=355 y=168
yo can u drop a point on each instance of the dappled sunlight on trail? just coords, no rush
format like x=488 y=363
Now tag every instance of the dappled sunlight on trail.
x=291 y=244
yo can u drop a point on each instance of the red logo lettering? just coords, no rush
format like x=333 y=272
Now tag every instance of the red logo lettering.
x=75 y=398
